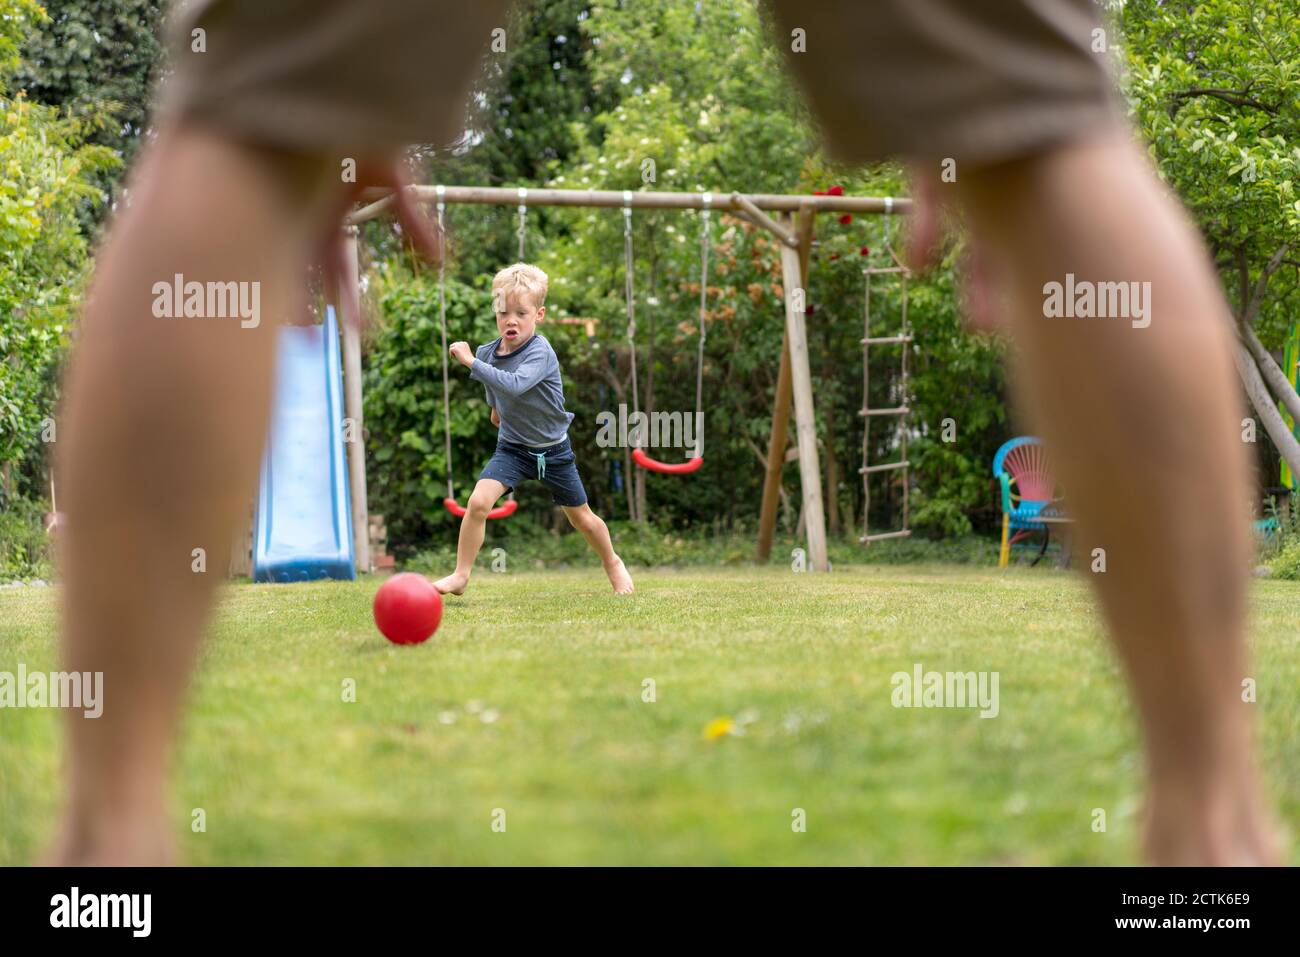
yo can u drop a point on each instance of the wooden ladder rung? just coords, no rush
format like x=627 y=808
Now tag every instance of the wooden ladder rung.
x=883 y=340
x=883 y=468
x=883 y=270
x=901 y=410
x=883 y=535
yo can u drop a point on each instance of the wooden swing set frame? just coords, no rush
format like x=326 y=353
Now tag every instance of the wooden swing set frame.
x=793 y=228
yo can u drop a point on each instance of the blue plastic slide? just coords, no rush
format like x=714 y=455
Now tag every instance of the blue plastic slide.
x=304 y=516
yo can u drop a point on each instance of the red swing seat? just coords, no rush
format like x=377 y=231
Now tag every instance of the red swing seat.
x=653 y=465
x=501 y=511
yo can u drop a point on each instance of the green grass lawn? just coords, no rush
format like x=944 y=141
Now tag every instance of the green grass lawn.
x=529 y=699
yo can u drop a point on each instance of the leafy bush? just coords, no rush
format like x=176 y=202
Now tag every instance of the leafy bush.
x=25 y=550
x=939 y=517
x=406 y=458
x=47 y=174
x=1286 y=562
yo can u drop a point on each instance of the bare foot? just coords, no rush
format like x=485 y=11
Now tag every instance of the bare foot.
x=618 y=577
x=1228 y=828
x=453 y=584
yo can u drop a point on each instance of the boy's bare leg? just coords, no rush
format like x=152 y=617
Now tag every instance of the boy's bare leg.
x=1144 y=427
x=596 y=532
x=165 y=424
x=472 y=529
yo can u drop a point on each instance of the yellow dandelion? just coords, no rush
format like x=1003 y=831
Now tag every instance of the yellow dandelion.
x=717 y=728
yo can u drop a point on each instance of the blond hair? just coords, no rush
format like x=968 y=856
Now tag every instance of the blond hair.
x=521 y=278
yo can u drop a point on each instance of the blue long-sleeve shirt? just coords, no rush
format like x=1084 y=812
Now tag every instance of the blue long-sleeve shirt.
x=526 y=390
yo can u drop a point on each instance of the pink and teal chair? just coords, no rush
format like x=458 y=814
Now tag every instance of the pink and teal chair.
x=1021 y=469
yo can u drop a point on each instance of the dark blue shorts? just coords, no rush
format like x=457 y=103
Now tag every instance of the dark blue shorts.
x=556 y=467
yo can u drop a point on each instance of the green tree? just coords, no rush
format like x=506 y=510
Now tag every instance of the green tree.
x=519 y=129
x=701 y=105
x=1212 y=84
x=97 y=59
x=46 y=173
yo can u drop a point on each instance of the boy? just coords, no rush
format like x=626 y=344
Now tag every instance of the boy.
x=521 y=375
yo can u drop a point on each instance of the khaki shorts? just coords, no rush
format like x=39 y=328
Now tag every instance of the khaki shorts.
x=976 y=80
x=313 y=75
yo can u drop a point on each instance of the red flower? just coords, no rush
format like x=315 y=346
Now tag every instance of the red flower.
x=846 y=219
x=835 y=191
x=809 y=310
x=834 y=256
x=819 y=192
x=864 y=251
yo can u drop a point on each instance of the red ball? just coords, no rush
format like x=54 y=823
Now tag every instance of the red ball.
x=408 y=609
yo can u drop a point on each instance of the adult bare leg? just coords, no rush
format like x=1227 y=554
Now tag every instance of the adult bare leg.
x=164 y=428
x=1144 y=428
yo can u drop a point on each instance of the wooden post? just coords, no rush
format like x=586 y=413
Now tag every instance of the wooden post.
x=760 y=218
x=810 y=477
x=775 y=454
x=350 y=325
x=781 y=409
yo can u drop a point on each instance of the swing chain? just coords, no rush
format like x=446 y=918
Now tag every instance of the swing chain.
x=704 y=300
x=629 y=295
x=442 y=321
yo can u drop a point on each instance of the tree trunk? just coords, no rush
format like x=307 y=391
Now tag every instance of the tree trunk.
x=609 y=371
x=639 y=482
x=1272 y=374
x=832 y=481
x=1257 y=369
x=628 y=466
x=1265 y=407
